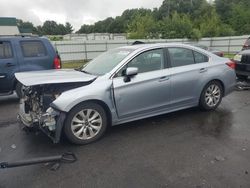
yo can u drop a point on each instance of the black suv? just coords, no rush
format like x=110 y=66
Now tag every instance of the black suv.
x=246 y=44
x=19 y=54
x=242 y=60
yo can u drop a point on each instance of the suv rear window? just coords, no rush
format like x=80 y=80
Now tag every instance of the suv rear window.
x=5 y=50
x=33 y=49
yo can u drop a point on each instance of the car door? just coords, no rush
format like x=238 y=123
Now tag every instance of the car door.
x=8 y=66
x=33 y=55
x=188 y=71
x=146 y=92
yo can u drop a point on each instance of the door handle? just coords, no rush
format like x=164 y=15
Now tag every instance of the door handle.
x=203 y=70
x=2 y=76
x=163 y=78
x=9 y=65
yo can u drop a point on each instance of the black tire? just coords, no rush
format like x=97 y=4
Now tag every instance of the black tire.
x=203 y=104
x=74 y=113
x=242 y=77
x=19 y=90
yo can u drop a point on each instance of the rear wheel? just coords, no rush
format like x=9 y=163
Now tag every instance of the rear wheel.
x=85 y=123
x=211 y=96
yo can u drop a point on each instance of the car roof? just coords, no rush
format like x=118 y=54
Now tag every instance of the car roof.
x=20 y=37
x=244 y=52
x=142 y=47
x=157 y=45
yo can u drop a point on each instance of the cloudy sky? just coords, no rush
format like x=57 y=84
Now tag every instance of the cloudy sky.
x=77 y=12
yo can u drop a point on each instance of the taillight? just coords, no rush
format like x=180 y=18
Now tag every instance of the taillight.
x=231 y=64
x=57 y=63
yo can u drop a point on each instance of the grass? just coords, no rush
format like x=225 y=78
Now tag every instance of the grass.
x=73 y=64
x=230 y=56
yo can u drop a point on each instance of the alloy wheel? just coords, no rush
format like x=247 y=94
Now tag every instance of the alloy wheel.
x=212 y=95
x=86 y=124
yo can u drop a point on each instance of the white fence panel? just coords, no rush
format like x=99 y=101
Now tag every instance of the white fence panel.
x=81 y=50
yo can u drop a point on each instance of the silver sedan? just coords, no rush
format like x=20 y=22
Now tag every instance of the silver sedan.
x=123 y=85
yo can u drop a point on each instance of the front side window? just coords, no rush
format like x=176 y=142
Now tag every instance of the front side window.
x=148 y=61
x=33 y=49
x=5 y=50
x=181 y=57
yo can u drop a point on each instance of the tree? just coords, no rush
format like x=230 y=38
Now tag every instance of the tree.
x=49 y=28
x=86 y=29
x=168 y=7
x=143 y=27
x=68 y=28
x=52 y=28
x=60 y=30
x=115 y=25
x=26 y=26
x=176 y=26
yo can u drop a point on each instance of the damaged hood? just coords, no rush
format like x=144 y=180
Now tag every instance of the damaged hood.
x=53 y=77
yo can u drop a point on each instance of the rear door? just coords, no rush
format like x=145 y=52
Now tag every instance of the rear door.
x=8 y=66
x=34 y=55
x=189 y=69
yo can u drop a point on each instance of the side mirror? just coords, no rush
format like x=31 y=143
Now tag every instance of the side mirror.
x=130 y=72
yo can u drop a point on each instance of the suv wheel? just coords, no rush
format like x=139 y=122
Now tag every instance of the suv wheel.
x=85 y=123
x=241 y=77
x=211 y=96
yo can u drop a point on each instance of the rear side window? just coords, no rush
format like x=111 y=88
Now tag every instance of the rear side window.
x=5 y=50
x=33 y=49
x=200 y=58
x=181 y=57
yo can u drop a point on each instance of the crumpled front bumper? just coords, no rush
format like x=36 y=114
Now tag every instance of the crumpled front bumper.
x=25 y=120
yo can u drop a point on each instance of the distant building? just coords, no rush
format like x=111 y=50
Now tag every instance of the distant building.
x=96 y=36
x=8 y=26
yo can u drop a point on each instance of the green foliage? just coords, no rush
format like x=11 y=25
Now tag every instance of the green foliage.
x=191 y=19
x=235 y=13
x=142 y=27
x=168 y=7
x=68 y=28
x=48 y=28
x=240 y=18
x=195 y=35
x=114 y=25
x=176 y=26
x=26 y=26
x=52 y=28
x=55 y=38
x=210 y=25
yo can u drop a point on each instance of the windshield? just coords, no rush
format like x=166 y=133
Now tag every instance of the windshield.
x=106 y=62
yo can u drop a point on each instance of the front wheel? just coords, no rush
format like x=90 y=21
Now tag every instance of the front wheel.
x=211 y=96
x=85 y=123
